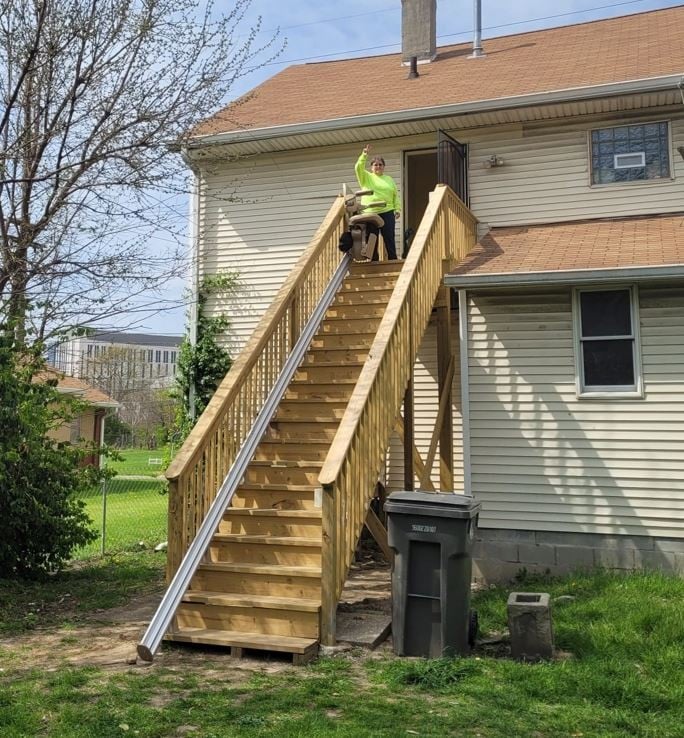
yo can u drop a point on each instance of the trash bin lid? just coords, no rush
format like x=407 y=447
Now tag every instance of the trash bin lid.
x=439 y=504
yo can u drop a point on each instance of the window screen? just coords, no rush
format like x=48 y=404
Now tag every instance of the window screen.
x=607 y=340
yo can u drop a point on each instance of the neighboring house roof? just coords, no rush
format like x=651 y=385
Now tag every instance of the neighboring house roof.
x=643 y=46
x=593 y=250
x=137 y=339
x=74 y=386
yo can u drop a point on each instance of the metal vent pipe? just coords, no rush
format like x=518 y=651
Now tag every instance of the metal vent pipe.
x=477 y=22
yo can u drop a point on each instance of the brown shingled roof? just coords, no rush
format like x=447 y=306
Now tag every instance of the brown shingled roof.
x=563 y=249
x=632 y=47
x=77 y=387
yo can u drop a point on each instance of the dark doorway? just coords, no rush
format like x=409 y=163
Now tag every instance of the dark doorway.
x=420 y=170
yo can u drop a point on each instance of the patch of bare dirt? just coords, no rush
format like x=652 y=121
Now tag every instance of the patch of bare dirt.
x=108 y=638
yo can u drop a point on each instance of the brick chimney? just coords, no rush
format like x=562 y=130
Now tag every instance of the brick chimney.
x=418 y=30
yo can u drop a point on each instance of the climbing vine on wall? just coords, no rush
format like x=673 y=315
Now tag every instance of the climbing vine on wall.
x=204 y=365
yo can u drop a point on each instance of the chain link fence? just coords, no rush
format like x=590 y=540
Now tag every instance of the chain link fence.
x=129 y=511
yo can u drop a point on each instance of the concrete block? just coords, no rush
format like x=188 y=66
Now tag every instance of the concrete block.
x=529 y=623
x=679 y=564
x=614 y=558
x=495 y=550
x=537 y=554
x=655 y=560
x=579 y=540
x=502 y=534
x=489 y=571
x=570 y=558
x=669 y=545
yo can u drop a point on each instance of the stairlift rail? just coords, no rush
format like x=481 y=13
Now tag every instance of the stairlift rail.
x=176 y=590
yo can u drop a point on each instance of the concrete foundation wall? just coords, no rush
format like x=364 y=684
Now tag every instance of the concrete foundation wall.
x=498 y=555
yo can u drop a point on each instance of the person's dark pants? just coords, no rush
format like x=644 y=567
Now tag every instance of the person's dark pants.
x=387 y=235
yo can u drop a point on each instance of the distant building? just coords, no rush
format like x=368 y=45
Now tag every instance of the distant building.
x=116 y=361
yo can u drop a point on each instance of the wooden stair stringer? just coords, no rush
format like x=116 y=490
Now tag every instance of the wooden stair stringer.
x=259 y=586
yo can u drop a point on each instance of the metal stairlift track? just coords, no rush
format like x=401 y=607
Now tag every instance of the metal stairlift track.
x=193 y=557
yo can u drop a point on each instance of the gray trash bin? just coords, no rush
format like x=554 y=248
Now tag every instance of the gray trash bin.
x=431 y=535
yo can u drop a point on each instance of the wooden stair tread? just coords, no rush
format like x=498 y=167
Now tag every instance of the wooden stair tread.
x=259 y=641
x=267 y=540
x=285 y=463
x=273 y=569
x=274 y=512
x=244 y=600
x=284 y=488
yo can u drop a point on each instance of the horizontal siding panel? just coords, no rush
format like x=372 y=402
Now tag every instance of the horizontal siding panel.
x=655 y=496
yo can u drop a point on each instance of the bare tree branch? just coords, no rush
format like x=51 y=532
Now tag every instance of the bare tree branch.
x=92 y=92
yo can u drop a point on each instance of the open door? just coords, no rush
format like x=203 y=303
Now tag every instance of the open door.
x=452 y=165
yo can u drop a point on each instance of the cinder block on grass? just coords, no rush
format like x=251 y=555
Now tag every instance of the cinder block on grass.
x=529 y=622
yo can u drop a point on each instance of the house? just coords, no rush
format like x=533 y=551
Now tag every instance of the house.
x=545 y=318
x=89 y=424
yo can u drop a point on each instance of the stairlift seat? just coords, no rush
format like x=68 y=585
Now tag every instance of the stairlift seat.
x=371 y=218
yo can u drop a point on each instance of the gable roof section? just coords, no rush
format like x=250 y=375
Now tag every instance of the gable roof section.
x=77 y=387
x=600 y=53
x=567 y=253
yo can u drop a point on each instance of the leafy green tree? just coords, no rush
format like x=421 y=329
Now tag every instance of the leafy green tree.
x=202 y=366
x=42 y=518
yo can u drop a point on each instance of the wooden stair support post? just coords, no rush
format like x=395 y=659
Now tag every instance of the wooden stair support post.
x=446 y=365
x=418 y=464
x=379 y=533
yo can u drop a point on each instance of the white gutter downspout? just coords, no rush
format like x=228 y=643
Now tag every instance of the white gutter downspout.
x=193 y=244
x=465 y=389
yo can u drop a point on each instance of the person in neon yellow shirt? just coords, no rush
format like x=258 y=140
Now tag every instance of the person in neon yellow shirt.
x=384 y=188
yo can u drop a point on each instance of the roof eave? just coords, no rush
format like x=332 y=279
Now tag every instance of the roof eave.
x=564 y=277
x=574 y=94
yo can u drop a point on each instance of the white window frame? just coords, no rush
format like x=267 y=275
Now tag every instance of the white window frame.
x=607 y=391
x=635 y=182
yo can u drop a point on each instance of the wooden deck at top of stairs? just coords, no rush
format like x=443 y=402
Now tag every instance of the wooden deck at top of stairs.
x=259 y=585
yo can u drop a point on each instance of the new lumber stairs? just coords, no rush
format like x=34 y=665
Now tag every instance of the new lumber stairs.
x=259 y=586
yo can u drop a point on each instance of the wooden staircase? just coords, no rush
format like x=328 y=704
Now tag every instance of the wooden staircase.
x=259 y=584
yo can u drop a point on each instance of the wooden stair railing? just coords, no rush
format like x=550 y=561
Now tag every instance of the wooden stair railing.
x=447 y=232
x=197 y=472
x=206 y=456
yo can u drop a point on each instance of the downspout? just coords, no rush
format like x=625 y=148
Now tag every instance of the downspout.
x=193 y=244
x=465 y=389
x=477 y=23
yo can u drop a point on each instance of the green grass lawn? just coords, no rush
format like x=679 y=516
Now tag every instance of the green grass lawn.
x=140 y=462
x=622 y=639
x=136 y=514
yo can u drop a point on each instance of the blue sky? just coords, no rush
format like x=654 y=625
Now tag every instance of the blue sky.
x=330 y=29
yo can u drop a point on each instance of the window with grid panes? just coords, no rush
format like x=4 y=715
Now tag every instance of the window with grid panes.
x=630 y=153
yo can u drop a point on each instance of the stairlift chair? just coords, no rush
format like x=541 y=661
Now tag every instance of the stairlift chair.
x=358 y=219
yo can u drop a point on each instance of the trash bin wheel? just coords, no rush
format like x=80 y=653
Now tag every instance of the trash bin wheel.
x=473 y=626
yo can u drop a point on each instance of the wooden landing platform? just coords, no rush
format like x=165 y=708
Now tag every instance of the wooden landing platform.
x=303 y=650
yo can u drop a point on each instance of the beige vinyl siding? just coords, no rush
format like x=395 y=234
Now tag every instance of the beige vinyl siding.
x=547 y=173
x=542 y=459
x=426 y=405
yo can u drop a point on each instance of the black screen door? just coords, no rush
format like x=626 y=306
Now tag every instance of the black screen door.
x=452 y=167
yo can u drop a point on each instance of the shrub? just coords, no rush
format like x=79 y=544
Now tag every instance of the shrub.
x=41 y=518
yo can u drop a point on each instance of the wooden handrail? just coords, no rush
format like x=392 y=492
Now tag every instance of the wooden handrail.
x=200 y=466
x=447 y=232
